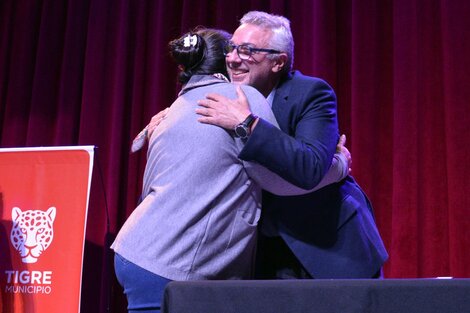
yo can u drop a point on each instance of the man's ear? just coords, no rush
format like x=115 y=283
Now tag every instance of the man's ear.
x=279 y=62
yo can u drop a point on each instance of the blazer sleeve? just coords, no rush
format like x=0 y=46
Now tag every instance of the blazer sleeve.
x=275 y=184
x=302 y=151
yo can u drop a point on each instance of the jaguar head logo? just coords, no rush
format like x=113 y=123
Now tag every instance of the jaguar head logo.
x=32 y=232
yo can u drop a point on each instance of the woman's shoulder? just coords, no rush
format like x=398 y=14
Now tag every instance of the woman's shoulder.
x=252 y=93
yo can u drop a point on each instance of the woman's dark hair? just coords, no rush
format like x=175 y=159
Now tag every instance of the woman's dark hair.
x=200 y=52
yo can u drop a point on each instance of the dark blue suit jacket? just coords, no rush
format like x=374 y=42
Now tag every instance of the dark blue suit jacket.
x=331 y=231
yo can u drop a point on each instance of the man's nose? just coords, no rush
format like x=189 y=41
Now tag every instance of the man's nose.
x=232 y=57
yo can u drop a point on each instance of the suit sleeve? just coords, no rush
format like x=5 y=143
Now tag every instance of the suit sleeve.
x=302 y=151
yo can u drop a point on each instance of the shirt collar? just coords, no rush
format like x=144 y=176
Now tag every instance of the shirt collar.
x=270 y=97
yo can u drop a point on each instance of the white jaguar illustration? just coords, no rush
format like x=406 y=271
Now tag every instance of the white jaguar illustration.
x=32 y=232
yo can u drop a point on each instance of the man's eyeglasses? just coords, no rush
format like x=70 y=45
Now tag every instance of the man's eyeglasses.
x=244 y=51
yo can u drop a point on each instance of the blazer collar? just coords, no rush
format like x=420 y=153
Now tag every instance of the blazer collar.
x=282 y=93
x=202 y=80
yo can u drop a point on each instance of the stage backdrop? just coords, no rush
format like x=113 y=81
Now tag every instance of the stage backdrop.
x=93 y=72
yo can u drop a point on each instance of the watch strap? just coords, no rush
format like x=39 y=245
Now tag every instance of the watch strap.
x=249 y=120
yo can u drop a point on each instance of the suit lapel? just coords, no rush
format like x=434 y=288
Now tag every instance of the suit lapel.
x=280 y=103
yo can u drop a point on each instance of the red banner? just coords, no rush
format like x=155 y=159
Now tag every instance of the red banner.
x=44 y=196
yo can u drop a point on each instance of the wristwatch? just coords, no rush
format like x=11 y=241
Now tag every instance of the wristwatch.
x=243 y=129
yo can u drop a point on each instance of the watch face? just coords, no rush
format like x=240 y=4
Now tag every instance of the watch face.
x=241 y=131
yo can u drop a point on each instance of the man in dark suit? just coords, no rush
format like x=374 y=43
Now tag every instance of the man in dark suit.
x=330 y=233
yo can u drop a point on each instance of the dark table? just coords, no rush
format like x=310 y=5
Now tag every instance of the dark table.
x=319 y=296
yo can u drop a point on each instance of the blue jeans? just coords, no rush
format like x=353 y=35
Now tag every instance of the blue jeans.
x=143 y=289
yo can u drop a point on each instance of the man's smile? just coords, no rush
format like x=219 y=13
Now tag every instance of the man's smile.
x=237 y=74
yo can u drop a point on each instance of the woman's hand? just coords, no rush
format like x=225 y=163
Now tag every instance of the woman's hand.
x=341 y=148
x=147 y=132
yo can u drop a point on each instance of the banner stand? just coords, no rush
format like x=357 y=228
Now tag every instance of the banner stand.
x=44 y=195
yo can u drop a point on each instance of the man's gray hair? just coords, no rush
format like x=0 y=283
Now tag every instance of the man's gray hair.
x=281 y=39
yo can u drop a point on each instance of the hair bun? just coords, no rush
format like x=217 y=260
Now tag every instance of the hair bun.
x=188 y=50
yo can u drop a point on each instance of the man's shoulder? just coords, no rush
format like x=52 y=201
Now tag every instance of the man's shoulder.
x=297 y=84
x=297 y=77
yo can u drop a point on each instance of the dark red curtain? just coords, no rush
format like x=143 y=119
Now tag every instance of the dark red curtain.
x=83 y=72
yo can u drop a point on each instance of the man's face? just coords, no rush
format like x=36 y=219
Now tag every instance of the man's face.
x=258 y=71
